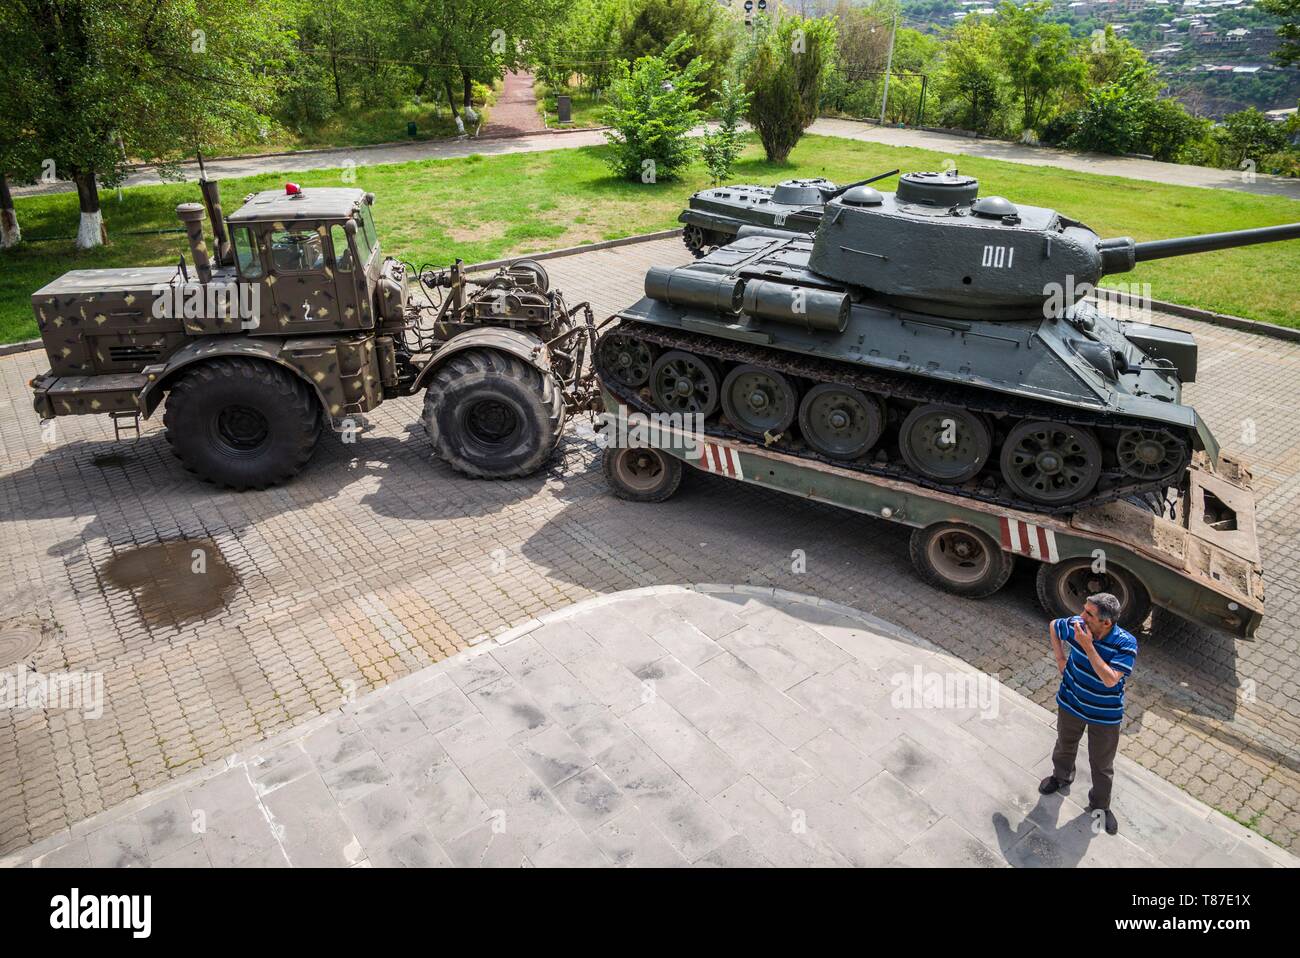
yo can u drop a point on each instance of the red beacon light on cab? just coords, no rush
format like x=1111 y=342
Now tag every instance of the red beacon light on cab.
x=292 y=189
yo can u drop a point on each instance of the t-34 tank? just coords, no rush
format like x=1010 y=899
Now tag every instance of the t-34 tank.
x=930 y=334
x=714 y=216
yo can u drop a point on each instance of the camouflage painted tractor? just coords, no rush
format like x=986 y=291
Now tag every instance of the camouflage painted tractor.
x=713 y=217
x=931 y=335
x=295 y=322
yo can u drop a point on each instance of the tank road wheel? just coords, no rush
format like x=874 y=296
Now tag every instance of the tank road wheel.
x=242 y=423
x=759 y=401
x=625 y=358
x=641 y=475
x=960 y=559
x=492 y=416
x=840 y=422
x=683 y=383
x=701 y=241
x=1065 y=586
x=1151 y=454
x=1051 y=463
x=945 y=443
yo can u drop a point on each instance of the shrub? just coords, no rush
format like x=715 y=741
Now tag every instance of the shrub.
x=783 y=69
x=722 y=147
x=652 y=109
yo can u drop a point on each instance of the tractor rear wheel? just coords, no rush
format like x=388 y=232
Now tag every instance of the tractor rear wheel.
x=492 y=416
x=242 y=423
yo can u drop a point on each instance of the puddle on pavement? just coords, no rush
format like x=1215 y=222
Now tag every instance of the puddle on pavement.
x=174 y=582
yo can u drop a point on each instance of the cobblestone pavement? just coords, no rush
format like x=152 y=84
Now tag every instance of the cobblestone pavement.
x=666 y=726
x=377 y=561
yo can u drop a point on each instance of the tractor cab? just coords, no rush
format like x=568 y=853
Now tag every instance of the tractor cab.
x=311 y=254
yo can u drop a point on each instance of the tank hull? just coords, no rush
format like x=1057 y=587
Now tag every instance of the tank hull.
x=1003 y=372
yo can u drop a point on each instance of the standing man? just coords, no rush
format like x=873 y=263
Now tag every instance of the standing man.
x=1094 y=655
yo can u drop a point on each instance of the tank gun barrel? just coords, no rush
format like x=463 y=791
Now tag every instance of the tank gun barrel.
x=870 y=179
x=1122 y=254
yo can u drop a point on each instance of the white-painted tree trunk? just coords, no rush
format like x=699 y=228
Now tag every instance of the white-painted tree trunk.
x=470 y=116
x=91 y=231
x=11 y=234
x=460 y=126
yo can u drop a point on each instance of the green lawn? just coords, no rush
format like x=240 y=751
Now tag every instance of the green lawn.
x=481 y=208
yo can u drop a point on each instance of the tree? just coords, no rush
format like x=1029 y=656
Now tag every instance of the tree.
x=144 y=79
x=1248 y=135
x=783 y=68
x=1041 y=58
x=652 y=110
x=970 y=78
x=653 y=24
x=1287 y=11
x=722 y=148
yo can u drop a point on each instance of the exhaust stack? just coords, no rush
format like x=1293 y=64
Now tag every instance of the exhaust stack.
x=191 y=217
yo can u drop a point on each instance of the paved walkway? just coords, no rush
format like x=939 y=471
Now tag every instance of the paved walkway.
x=515 y=110
x=667 y=727
x=1144 y=170
x=377 y=562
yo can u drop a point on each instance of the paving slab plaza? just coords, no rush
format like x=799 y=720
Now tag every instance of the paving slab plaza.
x=660 y=727
x=378 y=562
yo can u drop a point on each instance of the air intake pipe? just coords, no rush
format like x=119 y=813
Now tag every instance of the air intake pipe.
x=191 y=216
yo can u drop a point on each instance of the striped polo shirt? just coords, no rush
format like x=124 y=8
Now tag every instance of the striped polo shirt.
x=1082 y=692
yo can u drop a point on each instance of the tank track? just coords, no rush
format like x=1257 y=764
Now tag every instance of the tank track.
x=890 y=387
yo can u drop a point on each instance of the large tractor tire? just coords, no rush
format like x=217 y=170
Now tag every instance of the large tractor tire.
x=242 y=423
x=492 y=416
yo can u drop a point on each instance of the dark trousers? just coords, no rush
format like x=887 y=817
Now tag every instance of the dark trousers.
x=1103 y=743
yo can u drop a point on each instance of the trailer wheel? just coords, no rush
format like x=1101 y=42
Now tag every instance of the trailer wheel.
x=960 y=559
x=1064 y=587
x=241 y=423
x=492 y=416
x=642 y=475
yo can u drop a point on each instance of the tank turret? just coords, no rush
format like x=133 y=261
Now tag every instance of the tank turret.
x=936 y=246
x=930 y=334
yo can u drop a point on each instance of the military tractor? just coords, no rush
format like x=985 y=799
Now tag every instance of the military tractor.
x=294 y=321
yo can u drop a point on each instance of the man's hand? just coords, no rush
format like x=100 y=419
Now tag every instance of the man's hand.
x=1081 y=634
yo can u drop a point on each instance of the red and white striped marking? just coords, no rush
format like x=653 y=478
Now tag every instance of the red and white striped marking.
x=723 y=460
x=1027 y=539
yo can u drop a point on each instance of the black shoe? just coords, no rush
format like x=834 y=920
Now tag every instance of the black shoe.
x=1112 y=824
x=1051 y=784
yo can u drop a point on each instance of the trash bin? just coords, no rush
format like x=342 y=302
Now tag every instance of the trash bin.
x=410 y=129
x=564 y=107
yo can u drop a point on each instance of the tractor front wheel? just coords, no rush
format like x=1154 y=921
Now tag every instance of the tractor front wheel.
x=492 y=416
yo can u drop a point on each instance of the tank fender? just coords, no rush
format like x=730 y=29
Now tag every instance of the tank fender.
x=710 y=221
x=519 y=344
x=160 y=376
